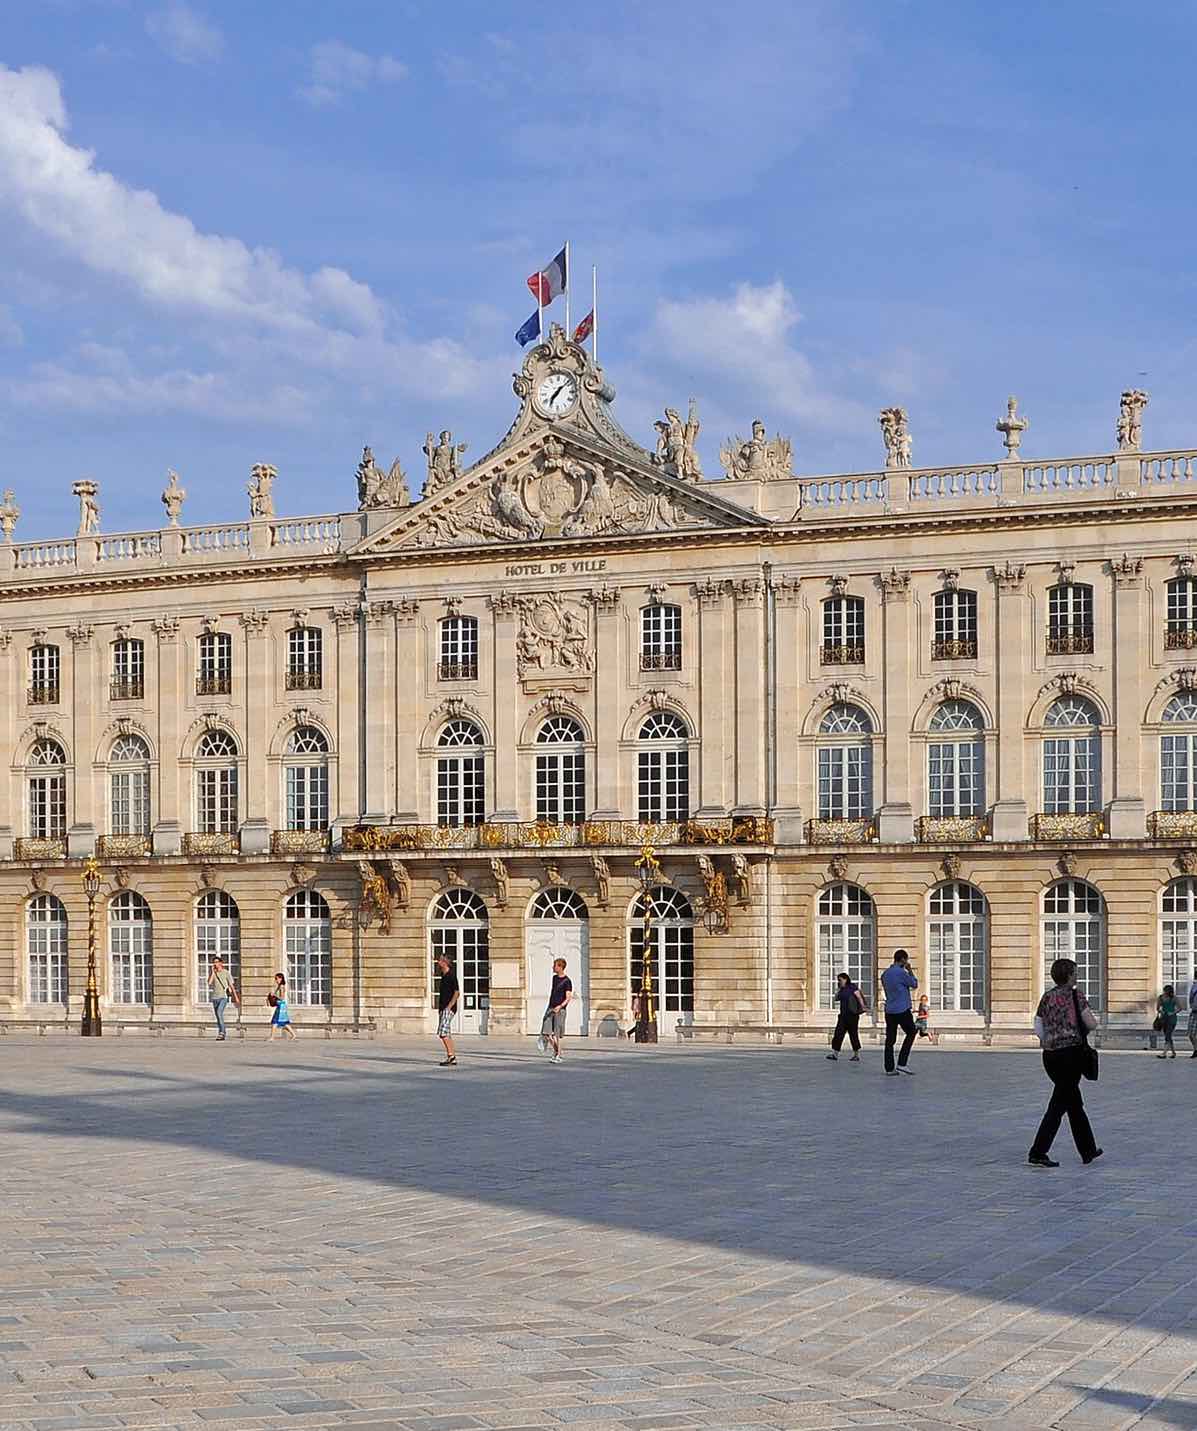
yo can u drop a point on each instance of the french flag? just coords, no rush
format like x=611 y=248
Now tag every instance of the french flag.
x=550 y=281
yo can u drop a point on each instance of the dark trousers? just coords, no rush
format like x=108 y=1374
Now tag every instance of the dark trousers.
x=1063 y=1067
x=846 y=1024
x=894 y=1022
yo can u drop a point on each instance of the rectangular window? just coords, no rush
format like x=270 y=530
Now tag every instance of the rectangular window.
x=47 y=807
x=1178 y=761
x=845 y=947
x=132 y=963
x=128 y=671
x=48 y=962
x=845 y=782
x=43 y=675
x=216 y=800
x=560 y=793
x=661 y=638
x=955 y=626
x=307 y=797
x=304 y=658
x=215 y=676
x=1070 y=775
x=1181 y=630
x=216 y=939
x=459 y=649
x=843 y=631
x=309 y=961
x=130 y=814
x=1069 y=619
x=663 y=784
x=954 y=779
x=957 y=949
x=460 y=790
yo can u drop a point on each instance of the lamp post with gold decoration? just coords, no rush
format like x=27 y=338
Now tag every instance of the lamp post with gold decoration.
x=649 y=869
x=92 y=1027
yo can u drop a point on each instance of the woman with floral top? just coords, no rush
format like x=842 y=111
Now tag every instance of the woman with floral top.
x=1062 y=1015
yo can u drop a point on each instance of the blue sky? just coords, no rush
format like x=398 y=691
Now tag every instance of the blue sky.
x=236 y=233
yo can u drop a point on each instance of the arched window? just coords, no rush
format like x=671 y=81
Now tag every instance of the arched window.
x=307 y=938
x=46 y=943
x=46 y=788
x=217 y=936
x=460 y=776
x=955 y=626
x=44 y=668
x=305 y=658
x=459 y=929
x=1180 y=633
x=1178 y=754
x=558 y=903
x=661 y=637
x=671 y=949
x=131 y=949
x=129 y=786
x=215 y=675
x=216 y=784
x=1178 y=935
x=845 y=933
x=843 y=631
x=1069 y=619
x=459 y=649
x=955 y=761
x=1074 y=928
x=844 y=764
x=1072 y=758
x=957 y=945
x=663 y=768
x=560 y=772
x=305 y=778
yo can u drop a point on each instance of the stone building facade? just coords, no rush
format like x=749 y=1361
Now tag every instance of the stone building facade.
x=953 y=709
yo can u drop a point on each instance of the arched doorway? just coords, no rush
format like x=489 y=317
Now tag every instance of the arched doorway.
x=557 y=927
x=459 y=927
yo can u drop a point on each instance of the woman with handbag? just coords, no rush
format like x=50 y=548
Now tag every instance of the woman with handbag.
x=1063 y=1022
x=851 y=1005
x=1167 y=1010
x=277 y=1000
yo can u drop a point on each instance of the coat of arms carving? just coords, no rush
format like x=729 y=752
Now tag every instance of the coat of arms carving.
x=554 y=635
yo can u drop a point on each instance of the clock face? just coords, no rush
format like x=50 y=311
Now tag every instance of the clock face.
x=557 y=393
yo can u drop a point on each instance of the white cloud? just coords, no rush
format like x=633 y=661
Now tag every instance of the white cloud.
x=184 y=33
x=336 y=69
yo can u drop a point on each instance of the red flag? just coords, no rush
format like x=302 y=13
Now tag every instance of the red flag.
x=584 y=328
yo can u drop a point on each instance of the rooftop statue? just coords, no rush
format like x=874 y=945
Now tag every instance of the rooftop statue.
x=1012 y=426
x=173 y=498
x=1130 y=419
x=89 y=507
x=9 y=514
x=758 y=459
x=261 y=498
x=676 y=440
x=896 y=434
x=443 y=460
x=376 y=488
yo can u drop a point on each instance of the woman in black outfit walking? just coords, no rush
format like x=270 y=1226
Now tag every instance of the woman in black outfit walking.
x=851 y=1005
x=1060 y=1021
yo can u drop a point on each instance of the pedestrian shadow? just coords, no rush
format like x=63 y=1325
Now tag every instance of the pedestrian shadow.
x=1166 y=1410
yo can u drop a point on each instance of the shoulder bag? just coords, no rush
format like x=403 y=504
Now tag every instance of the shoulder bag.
x=1089 y=1061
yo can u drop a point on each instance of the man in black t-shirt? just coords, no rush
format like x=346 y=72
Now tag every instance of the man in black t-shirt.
x=552 y=1030
x=447 y=995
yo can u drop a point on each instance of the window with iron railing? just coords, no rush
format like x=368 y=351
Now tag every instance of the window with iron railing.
x=661 y=638
x=215 y=677
x=459 y=649
x=1069 y=619
x=128 y=670
x=843 y=631
x=1180 y=632
x=305 y=658
x=44 y=669
x=955 y=626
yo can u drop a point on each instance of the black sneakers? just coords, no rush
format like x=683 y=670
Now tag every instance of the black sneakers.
x=1041 y=1160
x=1094 y=1158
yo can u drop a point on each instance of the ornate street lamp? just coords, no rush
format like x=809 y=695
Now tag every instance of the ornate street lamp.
x=648 y=867
x=92 y=1027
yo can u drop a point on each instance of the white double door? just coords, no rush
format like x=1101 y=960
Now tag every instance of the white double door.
x=546 y=940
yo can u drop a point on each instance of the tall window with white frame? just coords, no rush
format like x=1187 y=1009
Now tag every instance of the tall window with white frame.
x=1178 y=753
x=305 y=658
x=661 y=637
x=307 y=938
x=663 y=768
x=216 y=784
x=955 y=636
x=1178 y=935
x=957 y=947
x=460 y=775
x=305 y=777
x=671 y=950
x=955 y=761
x=846 y=935
x=844 y=762
x=46 y=942
x=1180 y=630
x=44 y=674
x=129 y=786
x=459 y=930
x=1074 y=927
x=843 y=631
x=128 y=670
x=560 y=772
x=458 y=660
x=1072 y=757
x=1069 y=619
x=217 y=936
x=215 y=675
x=131 y=948
x=46 y=791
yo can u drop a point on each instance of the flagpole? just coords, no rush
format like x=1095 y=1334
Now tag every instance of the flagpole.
x=569 y=332
x=594 y=314
x=539 y=310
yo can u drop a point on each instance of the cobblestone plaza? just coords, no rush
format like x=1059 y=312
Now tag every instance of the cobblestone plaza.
x=341 y=1233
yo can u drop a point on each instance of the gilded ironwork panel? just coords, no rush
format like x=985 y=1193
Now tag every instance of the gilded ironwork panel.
x=1067 y=827
x=953 y=650
x=1070 y=643
x=1180 y=638
x=34 y=849
x=839 y=832
x=842 y=655
x=123 y=846
x=223 y=843
x=952 y=830
x=299 y=842
x=1172 y=824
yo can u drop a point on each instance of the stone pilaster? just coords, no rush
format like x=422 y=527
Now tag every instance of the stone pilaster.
x=505 y=716
x=168 y=829
x=81 y=837
x=255 y=798
x=10 y=680
x=606 y=713
x=1128 y=811
x=715 y=699
x=787 y=647
x=750 y=696
x=409 y=660
x=1011 y=635
x=351 y=699
x=895 y=817
x=379 y=676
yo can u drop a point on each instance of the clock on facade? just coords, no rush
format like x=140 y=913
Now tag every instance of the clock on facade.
x=557 y=393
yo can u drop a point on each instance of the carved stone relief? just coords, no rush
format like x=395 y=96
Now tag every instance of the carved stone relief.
x=758 y=459
x=376 y=488
x=553 y=635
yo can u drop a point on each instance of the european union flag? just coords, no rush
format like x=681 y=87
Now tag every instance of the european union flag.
x=530 y=331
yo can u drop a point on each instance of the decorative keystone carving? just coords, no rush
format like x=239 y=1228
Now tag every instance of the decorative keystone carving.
x=838 y=584
x=453 y=877
x=207 y=876
x=1126 y=570
x=166 y=628
x=1067 y=572
x=1009 y=577
x=453 y=605
x=499 y=874
x=299 y=616
x=602 y=878
x=951 y=578
x=37 y=878
x=1067 y=862
x=302 y=874
x=554 y=703
x=1184 y=564
x=81 y=634
x=1185 y=678
x=553 y=877
x=1012 y=427
x=709 y=593
x=120 y=876
x=454 y=707
x=1069 y=682
x=255 y=622
x=210 y=625
x=837 y=867
x=950 y=864
x=895 y=584
x=657 y=593
x=895 y=433
x=1130 y=419
x=1186 y=862
x=124 y=632
x=38 y=635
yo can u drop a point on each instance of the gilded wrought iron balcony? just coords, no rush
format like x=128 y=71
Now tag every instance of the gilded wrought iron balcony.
x=544 y=835
x=299 y=842
x=127 y=688
x=305 y=680
x=850 y=655
x=217 y=842
x=124 y=846
x=457 y=670
x=840 y=832
x=1086 y=826
x=1180 y=637
x=956 y=650
x=41 y=847
x=45 y=693
x=952 y=829
x=219 y=683
x=1074 y=641
x=660 y=660
x=1172 y=824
